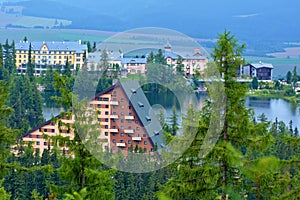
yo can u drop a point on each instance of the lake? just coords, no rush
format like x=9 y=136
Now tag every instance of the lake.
x=272 y=108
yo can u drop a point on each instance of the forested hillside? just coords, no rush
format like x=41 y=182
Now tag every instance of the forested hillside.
x=252 y=158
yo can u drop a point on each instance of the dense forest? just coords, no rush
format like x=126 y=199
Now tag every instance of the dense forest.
x=253 y=158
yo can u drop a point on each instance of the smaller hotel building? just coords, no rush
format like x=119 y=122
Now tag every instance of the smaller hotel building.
x=125 y=122
x=55 y=54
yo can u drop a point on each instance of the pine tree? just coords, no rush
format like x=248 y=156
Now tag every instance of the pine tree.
x=67 y=72
x=254 y=83
x=174 y=126
x=289 y=77
x=89 y=47
x=219 y=173
x=3 y=70
x=294 y=78
x=82 y=171
x=104 y=82
x=30 y=65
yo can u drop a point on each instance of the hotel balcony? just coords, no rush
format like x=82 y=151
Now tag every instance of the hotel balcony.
x=114 y=116
x=113 y=130
x=121 y=145
x=114 y=103
x=129 y=117
x=128 y=131
x=136 y=138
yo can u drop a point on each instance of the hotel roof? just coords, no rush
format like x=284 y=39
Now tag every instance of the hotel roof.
x=262 y=65
x=53 y=46
x=144 y=111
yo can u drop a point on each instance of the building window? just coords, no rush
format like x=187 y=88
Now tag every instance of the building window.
x=129 y=107
x=114 y=134
x=145 y=142
x=114 y=140
x=122 y=134
x=144 y=135
x=45 y=143
x=106 y=119
x=122 y=127
x=100 y=99
x=106 y=133
x=122 y=120
x=106 y=106
x=106 y=126
x=129 y=141
x=30 y=136
x=105 y=99
x=137 y=128
x=129 y=134
x=122 y=99
x=37 y=136
x=137 y=121
x=106 y=113
x=99 y=119
x=122 y=107
x=122 y=113
x=37 y=143
x=99 y=105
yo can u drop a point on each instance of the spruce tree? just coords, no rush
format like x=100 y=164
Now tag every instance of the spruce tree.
x=82 y=171
x=218 y=174
x=30 y=65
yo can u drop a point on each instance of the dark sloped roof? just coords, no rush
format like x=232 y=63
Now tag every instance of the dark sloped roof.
x=136 y=96
x=40 y=126
x=150 y=122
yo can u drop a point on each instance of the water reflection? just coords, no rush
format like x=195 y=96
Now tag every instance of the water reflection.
x=272 y=108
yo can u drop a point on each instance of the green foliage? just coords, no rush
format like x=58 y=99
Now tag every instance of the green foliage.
x=3 y=194
x=89 y=47
x=254 y=83
x=67 y=69
x=36 y=196
x=26 y=100
x=30 y=65
x=294 y=78
x=104 y=82
x=174 y=126
x=289 y=77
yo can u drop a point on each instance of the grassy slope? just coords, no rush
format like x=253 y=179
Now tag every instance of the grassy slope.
x=28 y=21
x=52 y=34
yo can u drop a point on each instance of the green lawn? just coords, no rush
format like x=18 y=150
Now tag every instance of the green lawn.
x=51 y=35
x=30 y=22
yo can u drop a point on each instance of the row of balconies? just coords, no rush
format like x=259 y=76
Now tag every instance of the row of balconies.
x=123 y=144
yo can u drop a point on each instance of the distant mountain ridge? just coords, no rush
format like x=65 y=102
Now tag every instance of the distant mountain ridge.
x=250 y=20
